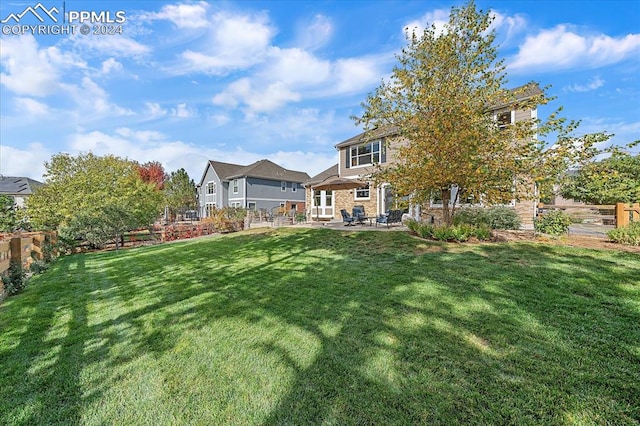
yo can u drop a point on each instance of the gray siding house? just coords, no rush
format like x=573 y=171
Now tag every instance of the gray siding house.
x=261 y=185
x=20 y=188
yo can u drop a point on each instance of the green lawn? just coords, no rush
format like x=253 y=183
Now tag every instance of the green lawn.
x=303 y=326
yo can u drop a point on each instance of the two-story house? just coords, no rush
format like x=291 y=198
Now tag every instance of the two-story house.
x=261 y=185
x=360 y=155
x=19 y=188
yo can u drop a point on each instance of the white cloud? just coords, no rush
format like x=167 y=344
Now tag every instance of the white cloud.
x=235 y=42
x=594 y=84
x=189 y=16
x=315 y=34
x=27 y=162
x=120 y=45
x=438 y=18
x=93 y=101
x=296 y=67
x=356 y=74
x=264 y=98
x=154 y=110
x=110 y=66
x=509 y=25
x=155 y=146
x=32 y=71
x=31 y=106
x=182 y=111
x=561 y=48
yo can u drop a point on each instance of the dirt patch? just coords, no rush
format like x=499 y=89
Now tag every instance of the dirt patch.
x=567 y=240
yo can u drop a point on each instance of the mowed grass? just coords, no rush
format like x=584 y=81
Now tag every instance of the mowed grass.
x=303 y=326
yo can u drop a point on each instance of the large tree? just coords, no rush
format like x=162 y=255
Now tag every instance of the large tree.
x=153 y=172
x=615 y=179
x=180 y=192
x=97 y=198
x=437 y=106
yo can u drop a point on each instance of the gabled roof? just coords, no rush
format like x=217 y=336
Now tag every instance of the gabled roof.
x=528 y=91
x=324 y=175
x=18 y=185
x=263 y=169
x=376 y=133
x=266 y=169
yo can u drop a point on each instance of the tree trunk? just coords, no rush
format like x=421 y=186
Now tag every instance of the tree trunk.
x=446 y=213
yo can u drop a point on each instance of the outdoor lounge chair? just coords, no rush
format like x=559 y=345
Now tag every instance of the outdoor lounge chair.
x=359 y=215
x=347 y=218
x=392 y=216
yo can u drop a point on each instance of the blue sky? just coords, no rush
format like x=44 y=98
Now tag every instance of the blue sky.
x=186 y=82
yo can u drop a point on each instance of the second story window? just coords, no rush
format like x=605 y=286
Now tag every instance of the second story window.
x=283 y=186
x=504 y=119
x=235 y=186
x=294 y=186
x=211 y=188
x=365 y=154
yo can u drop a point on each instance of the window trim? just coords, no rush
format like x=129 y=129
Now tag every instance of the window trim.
x=362 y=189
x=283 y=186
x=354 y=160
x=235 y=186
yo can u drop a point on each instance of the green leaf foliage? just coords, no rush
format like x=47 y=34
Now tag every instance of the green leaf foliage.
x=93 y=197
x=180 y=192
x=613 y=180
x=438 y=107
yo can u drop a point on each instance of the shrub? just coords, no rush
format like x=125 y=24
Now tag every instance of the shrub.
x=554 y=222
x=474 y=216
x=15 y=279
x=629 y=235
x=496 y=217
x=483 y=233
x=502 y=218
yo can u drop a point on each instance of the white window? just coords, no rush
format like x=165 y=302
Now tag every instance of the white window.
x=362 y=193
x=251 y=205
x=235 y=204
x=211 y=188
x=504 y=119
x=283 y=186
x=209 y=208
x=294 y=187
x=362 y=155
x=235 y=186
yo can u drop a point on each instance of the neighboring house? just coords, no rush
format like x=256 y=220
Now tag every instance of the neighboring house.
x=20 y=188
x=261 y=185
x=360 y=155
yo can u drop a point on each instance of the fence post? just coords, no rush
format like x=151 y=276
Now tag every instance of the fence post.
x=622 y=217
x=636 y=212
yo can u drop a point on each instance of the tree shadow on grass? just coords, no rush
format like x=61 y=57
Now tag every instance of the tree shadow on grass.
x=358 y=330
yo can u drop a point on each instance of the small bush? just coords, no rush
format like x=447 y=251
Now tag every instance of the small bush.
x=496 y=217
x=554 y=222
x=503 y=218
x=15 y=279
x=483 y=233
x=629 y=235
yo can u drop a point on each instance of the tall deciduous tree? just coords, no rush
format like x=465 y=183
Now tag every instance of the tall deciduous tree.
x=612 y=180
x=437 y=105
x=153 y=172
x=95 y=197
x=180 y=192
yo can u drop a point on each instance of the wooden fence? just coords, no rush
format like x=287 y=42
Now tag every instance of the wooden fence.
x=619 y=214
x=626 y=213
x=24 y=248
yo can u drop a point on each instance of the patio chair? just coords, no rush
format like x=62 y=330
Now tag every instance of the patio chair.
x=392 y=216
x=359 y=215
x=347 y=218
